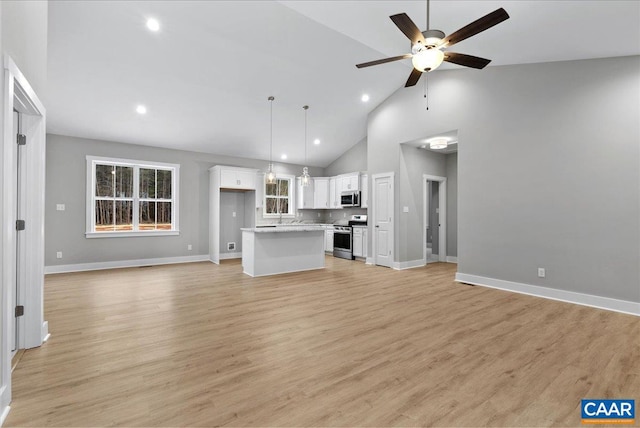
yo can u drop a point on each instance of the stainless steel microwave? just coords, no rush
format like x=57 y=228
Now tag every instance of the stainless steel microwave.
x=350 y=198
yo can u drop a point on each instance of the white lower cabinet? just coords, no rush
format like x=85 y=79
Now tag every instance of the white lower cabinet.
x=360 y=241
x=328 y=239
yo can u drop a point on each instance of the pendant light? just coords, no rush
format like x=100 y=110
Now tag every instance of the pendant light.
x=271 y=175
x=305 y=178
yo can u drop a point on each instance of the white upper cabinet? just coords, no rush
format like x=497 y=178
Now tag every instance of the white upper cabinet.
x=349 y=182
x=304 y=195
x=238 y=178
x=364 y=191
x=321 y=193
x=334 y=193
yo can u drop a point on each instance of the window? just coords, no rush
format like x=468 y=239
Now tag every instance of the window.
x=131 y=198
x=278 y=197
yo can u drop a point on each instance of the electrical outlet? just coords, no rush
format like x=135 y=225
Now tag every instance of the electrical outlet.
x=234 y=214
x=405 y=209
x=330 y=215
x=59 y=255
x=60 y=207
x=318 y=214
x=189 y=247
x=541 y=272
x=231 y=246
x=344 y=215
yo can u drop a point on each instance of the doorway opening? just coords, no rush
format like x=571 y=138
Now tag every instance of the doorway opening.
x=435 y=219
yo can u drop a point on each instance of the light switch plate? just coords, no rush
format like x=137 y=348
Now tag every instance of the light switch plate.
x=405 y=209
x=60 y=207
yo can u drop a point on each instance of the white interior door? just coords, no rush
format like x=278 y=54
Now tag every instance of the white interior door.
x=383 y=219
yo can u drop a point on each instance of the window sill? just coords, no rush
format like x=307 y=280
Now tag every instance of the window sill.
x=92 y=235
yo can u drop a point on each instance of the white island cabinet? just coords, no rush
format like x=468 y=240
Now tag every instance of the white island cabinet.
x=274 y=250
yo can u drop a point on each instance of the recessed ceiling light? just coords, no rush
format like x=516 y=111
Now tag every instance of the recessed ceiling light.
x=283 y=157
x=316 y=141
x=141 y=109
x=153 y=24
x=365 y=98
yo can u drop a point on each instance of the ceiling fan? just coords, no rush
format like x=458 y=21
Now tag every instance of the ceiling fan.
x=427 y=46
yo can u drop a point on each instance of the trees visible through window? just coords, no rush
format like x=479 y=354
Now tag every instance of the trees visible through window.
x=131 y=196
x=278 y=197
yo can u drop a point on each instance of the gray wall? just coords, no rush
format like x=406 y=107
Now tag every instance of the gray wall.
x=232 y=202
x=452 y=204
x=66 y=184
x=354 y=159
x=548 y=169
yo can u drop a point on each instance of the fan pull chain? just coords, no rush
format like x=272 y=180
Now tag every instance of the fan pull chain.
x=426 y=89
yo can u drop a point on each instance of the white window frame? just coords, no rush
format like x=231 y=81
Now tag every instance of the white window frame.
x=291 y=197
x=92 y=161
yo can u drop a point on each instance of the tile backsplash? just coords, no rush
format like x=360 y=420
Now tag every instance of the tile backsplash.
x=312 y=216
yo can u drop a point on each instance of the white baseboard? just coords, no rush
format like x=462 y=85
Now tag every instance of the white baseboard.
x=408 y=265
x=227 y=256
x=369 y=261
x=451 y=259
x=283 y=272
x=123 y=264
x=5 y=413
x=624 y=306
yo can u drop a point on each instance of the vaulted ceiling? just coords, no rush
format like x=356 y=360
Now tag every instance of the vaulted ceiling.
x=206 y=75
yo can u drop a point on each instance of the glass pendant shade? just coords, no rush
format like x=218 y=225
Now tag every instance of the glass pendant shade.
x=428 y=59
x=271 y=175
x=305 y=178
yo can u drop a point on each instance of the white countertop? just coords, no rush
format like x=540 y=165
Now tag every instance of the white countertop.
x=298 y=228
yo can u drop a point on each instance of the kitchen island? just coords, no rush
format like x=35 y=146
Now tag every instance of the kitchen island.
x=282 y=249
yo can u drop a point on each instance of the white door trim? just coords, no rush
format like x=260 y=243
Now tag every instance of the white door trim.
x=19 y=94
x=391 y=177
x=442 y=201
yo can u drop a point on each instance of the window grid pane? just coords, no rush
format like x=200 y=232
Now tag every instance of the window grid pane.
x=117 y=203
x=124 y=215
x=104 y=180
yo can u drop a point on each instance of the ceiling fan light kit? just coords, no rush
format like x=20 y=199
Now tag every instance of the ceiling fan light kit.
x=427 y=59
x=427 y=47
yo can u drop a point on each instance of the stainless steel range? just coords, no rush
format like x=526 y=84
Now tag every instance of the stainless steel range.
x=343 y=237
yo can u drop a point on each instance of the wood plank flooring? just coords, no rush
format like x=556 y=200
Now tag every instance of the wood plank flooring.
x=352 y=345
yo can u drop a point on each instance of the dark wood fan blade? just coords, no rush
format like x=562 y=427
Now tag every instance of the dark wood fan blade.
x=406 y=25
x=384 y=60
x=466 y=60
x=477 y=26
x=413 y=78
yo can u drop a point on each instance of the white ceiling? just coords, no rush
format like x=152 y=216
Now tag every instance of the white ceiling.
x=206 y=75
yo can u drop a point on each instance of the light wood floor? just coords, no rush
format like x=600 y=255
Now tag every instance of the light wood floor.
x=352 y=345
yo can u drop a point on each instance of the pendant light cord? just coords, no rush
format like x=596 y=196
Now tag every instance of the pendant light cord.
x=271 y=98
x=305 y=133
x=426 y=89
